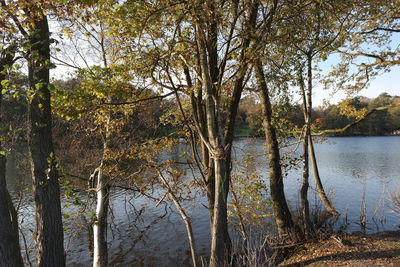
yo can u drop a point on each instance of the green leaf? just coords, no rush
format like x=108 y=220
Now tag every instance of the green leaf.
x=5 y=83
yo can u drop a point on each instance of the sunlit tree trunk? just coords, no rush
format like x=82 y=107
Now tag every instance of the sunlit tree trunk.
x=220 y=242
x=282 y=215
x=100 y=226
x=305 y=208
x=307 y=102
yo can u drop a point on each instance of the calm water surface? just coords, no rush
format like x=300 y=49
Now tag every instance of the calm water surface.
x=352 y=169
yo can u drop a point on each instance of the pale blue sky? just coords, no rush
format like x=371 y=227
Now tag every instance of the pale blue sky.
x=388 y=82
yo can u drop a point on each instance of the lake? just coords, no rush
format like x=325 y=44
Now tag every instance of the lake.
x=359 y=174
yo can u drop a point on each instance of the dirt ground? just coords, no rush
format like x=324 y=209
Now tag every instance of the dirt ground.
x=382 y=249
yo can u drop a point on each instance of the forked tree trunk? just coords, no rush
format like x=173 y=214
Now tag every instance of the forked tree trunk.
x=10 y=254
x=220 y=241
x=282 y=215
x=218 y=143
x=49 y=228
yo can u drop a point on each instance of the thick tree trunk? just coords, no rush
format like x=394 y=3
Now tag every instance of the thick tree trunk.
x=49 y=229
x=283 y=217
x=10 y=254
x=220 y=241
x=219 y=144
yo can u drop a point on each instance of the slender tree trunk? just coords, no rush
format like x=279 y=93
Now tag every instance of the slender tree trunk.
x=320 y=189
x=283 y=217
x=10 y=254
x=49 y=228
x=184 y=217
x=307 y=116
x=305 y=207
x=100 y=226
x=100 y=248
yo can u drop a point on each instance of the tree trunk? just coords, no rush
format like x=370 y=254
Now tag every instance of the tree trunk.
x=10 y=254
x=100 y=226
x=100 y=248
x=320 y=189
x=219 y=144
x=220 y=241
x=305 y=208
x=184 y=217
x=307 y=116
x=283 y=217
x=49 y=228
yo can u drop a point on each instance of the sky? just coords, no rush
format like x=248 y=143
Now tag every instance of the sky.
x=388 y=82
x=385 y=82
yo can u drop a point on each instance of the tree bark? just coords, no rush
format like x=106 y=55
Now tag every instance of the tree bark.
x=305 y=208
x=184 y=217
x=307 y=116
x=100 y=226
x=49 y=228
x=283 y=217
x=218 y=142
x=10 y=254
x=320 y=189
x=100 y=248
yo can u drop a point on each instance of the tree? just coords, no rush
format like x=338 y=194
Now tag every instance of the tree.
x=36 y=35
x=321 y=31
x=10 y=254
x=182 y=44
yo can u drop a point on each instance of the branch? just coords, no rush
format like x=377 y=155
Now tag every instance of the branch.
x=348 y=126
x=378 y=58
x=14 y=18
x=137 y=101
x=381 y=29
